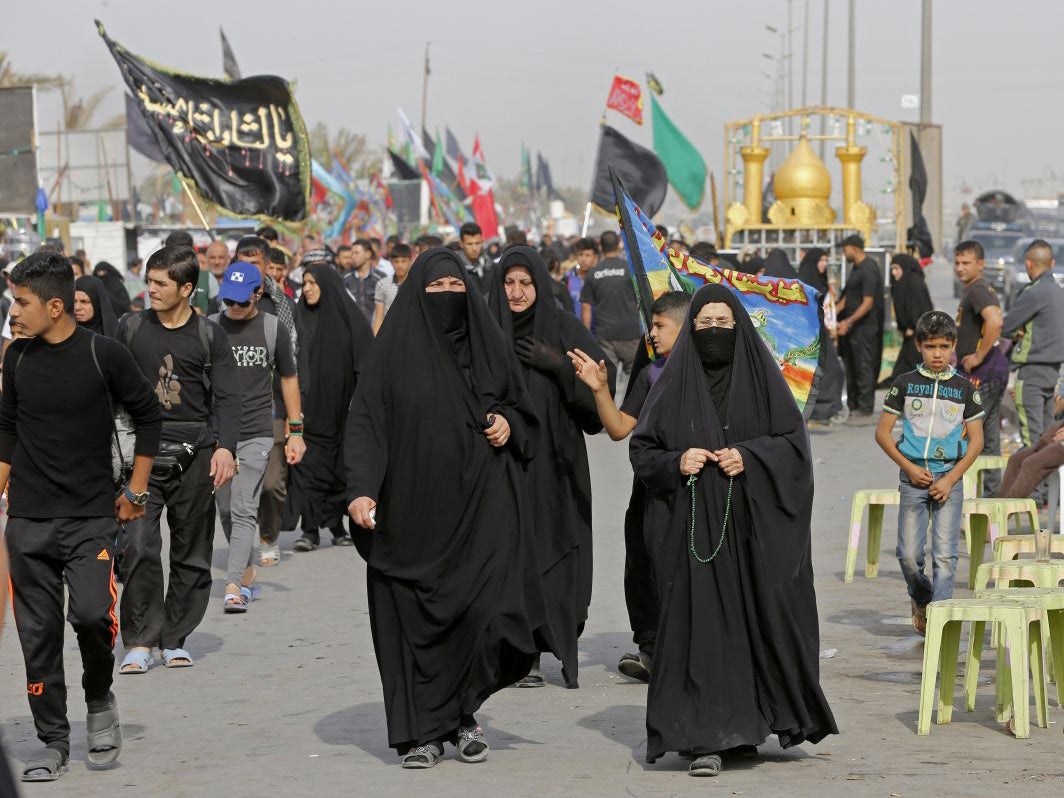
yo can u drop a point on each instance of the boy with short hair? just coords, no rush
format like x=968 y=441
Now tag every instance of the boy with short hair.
x=939 y=409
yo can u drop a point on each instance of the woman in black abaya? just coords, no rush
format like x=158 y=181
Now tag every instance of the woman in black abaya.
x=559 y=478
x=334 y=341
x=115 y=287
x=912 y=300
x=813 y=271
x=439 y=433
x=737 y=647
x=777 y=264
x=92 y=309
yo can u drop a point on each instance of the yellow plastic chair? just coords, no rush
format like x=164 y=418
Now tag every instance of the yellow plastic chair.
x=1052 y=601
x=1004 y=573
x=973 y=477
x=1009 y=547
x=1021 y=623
x=985 y=520
x=875 y=501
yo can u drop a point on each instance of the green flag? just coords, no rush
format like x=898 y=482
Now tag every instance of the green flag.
x=683 y=164
x=437 y=155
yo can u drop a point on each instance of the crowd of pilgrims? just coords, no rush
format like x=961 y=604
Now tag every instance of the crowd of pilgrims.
x=444 y=397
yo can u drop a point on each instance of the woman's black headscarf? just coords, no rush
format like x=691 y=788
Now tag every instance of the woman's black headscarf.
x=777 y=264
x=115 y=287
x=810 y=274
x=103 y=321
x=911 y=297
x=768 y=676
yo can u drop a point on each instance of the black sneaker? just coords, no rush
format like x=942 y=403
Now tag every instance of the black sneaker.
x=303 y=543
x=343 y=540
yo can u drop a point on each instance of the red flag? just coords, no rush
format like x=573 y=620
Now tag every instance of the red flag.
x=626 y=96
x=479 y=185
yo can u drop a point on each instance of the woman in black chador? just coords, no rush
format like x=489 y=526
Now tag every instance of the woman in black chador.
x=439 y=432
x=334 y=341
x=737 y=647
x=908 y=289
x=559 y=479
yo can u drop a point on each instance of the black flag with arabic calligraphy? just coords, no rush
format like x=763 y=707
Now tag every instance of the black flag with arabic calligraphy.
x=242 y=142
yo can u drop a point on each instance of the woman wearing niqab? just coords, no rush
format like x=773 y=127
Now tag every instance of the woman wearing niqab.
x=559 y=479
x=334 y=342
x=115 y=285
x=908 y=290
x=437 y=441
x=103 y=321
x=738 y=641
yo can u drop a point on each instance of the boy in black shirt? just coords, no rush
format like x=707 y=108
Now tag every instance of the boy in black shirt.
x=189 y=359
x=60 y=384
x=667 y=317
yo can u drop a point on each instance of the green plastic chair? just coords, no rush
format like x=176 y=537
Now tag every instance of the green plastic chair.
x=875 y=501
x=1021 y=622
x=1009 y=547
x=1039 y=574
x=985 y=520
x=1052 y=601
x=973 y=477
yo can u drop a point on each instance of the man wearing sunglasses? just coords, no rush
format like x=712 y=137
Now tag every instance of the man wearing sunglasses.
x=261 y=348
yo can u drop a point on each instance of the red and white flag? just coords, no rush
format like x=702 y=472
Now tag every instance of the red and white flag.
x=626 y=97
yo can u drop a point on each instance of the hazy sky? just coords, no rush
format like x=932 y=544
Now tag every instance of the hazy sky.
x=539 y=72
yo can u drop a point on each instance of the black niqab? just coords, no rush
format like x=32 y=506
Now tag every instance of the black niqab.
x=559 y=476
x=115 y=286
x=738 y=643
x=454 y=589
x=103 y=321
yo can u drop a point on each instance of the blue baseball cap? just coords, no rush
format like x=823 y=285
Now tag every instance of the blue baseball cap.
x=240 y=281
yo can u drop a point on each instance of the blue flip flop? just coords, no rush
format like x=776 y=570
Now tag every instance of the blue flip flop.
x=177 y=658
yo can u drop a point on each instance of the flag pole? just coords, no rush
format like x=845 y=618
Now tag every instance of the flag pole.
x=587 y=209
x=716 y=219
x=192 y=199
x=425 y=87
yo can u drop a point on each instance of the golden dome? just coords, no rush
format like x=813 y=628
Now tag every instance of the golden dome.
x=803 y=175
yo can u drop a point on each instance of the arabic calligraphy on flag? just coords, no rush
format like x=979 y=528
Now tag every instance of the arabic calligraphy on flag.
x=784 y=312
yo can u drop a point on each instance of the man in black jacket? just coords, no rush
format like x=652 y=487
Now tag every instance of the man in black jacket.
x=189 y=359
x=60 y=384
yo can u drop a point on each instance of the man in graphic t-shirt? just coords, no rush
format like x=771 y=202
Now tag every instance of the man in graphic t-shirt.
x=608 y=304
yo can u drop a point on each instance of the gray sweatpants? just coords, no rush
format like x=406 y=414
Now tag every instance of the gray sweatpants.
x=238 y=505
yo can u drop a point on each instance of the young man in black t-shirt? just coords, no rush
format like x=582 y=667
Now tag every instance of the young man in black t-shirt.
x=668 y=315
x=860 y=330
x=56 y=421
x=191 y=364
x=261 y=348
x=608 y=305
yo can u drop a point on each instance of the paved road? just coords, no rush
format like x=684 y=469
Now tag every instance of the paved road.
x=286 y=699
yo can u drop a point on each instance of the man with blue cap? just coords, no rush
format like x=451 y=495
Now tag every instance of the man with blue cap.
x=261 y=349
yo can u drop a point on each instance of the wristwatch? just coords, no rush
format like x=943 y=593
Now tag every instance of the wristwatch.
x=138 y=499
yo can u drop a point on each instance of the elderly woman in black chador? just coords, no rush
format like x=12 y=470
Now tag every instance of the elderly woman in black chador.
x=723 y=451
x=559 y=478
x=437 y=441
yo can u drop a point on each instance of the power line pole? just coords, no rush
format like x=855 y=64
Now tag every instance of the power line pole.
x=851 y=57
x=425 y=88
x=825 y=48
x=925 y=64
x=790 y=56
x=805 y=55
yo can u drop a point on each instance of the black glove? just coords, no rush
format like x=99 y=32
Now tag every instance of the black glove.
x=541 y=356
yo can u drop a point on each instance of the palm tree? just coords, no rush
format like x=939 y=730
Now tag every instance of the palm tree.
x=78 y=112
x=351 y=148
x=10 y=78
